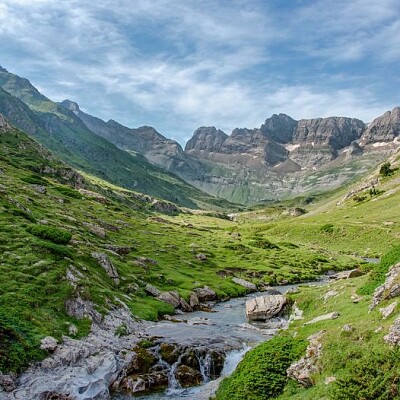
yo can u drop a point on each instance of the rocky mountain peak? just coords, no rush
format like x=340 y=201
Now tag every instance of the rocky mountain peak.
x=207 y=138
x=70 y=105
x=384 y=128
x=3 y=69
x=279 y=128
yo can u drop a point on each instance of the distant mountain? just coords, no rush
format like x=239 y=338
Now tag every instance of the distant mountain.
x=62 y=132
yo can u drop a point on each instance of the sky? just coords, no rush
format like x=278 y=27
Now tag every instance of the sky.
x=180 y=64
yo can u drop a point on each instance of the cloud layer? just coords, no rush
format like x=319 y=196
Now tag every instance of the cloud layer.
x=177 y=65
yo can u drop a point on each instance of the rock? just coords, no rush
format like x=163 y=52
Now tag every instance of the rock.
x=296 y=314
x=329 y=380
x=329 y=294
x=268 y=290
x=39 y=188
x=184 y=306
x=353 y=273
x=325 y=317
x=248 y=285
x=72 y=329
x=385 y=128
x=96 y=230
x=387 y=311
x=347 y=328
x=194 y=300
x=200 y=321
x=48 y=343
x=4 y=124
x=8 y=382
x=152 y=290
x=293 y=290
x=390 y=288
x=265 y=307
x=103 y=260
x=171 y=297
x=188 y=376
x=205 y=294
x=79 y=308
x=302 y=370
x=94 y=196
x=121 y=250
x=393 y=337
x=201 y=257
x=55 y=396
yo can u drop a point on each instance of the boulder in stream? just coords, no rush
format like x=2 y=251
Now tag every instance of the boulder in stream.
x=265 y=307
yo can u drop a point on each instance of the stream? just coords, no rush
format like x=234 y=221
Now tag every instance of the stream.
x=226 y=327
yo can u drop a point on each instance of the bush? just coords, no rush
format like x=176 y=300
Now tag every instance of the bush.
x=66 y=191
x=374 y=376
x=56 y=249
x=327 y=228
x=385 y=169
x=261 y=374
x=17 y=344
x=56 y=235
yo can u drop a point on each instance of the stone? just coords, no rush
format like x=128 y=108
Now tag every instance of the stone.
x=188 y=376
x=39 y=188
x=248 y=285
x=94 y=196
x=347 y=328
x=265 y=307
x=296 y=314
x=387 y=311
x=325 y=317
x=103 y=260
x=194 y=300
x=201 y=257
x=152 y=290
x=205 y=294
x=389 y=289
x=121 y=250
x=184 y=306
x=353 y=273
x=393 y=337
x=302 y=370
x=329 y=294
x=48 y=343
x=96 y=230
x=329 y=380
x=171 y=297
x=7 y=382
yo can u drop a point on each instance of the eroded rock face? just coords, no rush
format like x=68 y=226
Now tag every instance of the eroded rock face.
x=384 y=128
x=205 y=294
x=325 y=317
x=390 y=289
x=248 y=285
x=265 y=307
x=393 y=337
x=302 y=370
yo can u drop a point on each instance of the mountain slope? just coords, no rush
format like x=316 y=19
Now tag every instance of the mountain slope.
x=68 y=137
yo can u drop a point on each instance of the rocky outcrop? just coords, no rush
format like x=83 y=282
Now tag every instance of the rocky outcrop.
x=303 y=370
x=390 y=288
x=393 y=337
x=103 y=260
x=48 y=343
x=4 y=124
x=207 y=139
x=384 y=128
x=388 y=311
x=265 y=307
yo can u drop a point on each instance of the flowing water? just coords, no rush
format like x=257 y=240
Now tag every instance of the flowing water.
x=227 y=324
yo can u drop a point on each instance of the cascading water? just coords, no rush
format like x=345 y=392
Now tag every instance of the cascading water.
x=205 y=365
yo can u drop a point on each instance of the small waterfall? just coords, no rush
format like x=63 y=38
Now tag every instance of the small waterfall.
x=205 y=365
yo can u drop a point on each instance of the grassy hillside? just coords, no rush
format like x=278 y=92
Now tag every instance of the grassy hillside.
x=49 y=229
x=62 y=132
x=355 y=363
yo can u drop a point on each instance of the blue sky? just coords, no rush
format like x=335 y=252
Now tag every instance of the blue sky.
x=181 y=64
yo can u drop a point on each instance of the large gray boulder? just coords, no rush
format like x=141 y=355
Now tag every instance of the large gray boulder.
x=390 y=288
x=248 y=285
x=103 y=260
x=265 y=307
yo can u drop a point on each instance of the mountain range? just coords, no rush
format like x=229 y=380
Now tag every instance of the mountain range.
x=280 y=159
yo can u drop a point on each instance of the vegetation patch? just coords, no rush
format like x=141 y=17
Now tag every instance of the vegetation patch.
x=56 y=235
x=262 y=373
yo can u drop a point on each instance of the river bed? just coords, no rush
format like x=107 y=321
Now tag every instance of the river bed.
x=228 y=325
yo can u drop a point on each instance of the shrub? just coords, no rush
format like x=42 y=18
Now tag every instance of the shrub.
x=34 y=180
x=385 y=169
x=373 y=376
x=327 y=228
x=56 y=249
x=264 y=244
x=66 y=191
x=17 y=344
x=262 y=373
x=51 y=233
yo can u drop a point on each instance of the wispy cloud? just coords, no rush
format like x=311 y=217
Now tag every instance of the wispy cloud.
x=177 y=64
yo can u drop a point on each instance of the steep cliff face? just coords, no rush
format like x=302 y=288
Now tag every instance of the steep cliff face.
x=385 y=128
x=279 y=128
x=209 y=139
